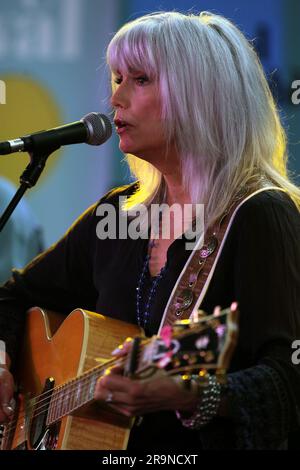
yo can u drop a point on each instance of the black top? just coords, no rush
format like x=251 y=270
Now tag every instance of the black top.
x=259 y=267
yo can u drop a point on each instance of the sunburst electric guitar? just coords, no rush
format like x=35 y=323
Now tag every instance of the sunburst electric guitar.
x=62 y=361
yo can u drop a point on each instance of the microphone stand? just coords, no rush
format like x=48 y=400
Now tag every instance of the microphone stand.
x=28 y=179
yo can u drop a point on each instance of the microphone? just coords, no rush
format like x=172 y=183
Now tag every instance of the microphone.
x=92 y=129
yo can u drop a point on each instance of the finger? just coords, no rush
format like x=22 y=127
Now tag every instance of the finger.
x=122 y=411
x=134 y=399
x=118 y=398
x=7 y=402
x=123 y=403
x=7 y=409
x=114 y=382
x=217 y=311
x=138 y=409
x=123 y=348
x=116 y=370
x=116 y=391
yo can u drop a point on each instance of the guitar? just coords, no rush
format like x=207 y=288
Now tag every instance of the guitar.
x=62 y=361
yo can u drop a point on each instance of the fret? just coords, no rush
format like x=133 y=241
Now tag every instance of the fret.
x=50 y=411
x=58 y=404
x=92 y=385
x=53 y=407
x=78 y=393
x=73 y=386
x=72 y=396
x=84 y=390
x=65 y=400
x=158 y=352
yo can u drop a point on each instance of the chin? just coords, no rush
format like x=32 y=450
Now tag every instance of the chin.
x=126 y=148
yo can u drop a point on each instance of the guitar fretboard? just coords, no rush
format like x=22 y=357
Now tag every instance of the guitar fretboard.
x=201 y=346
x=71 y=396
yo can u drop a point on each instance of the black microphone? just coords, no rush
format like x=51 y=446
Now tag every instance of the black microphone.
x=93 y=129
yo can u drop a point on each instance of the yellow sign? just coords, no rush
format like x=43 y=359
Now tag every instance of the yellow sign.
x=29 y=107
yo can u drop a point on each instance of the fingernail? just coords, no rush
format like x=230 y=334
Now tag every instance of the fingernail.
x=116 y=351
x=7 y=408
x=217 y=311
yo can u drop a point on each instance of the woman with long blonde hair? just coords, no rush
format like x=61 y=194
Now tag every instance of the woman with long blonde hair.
x=199 y=127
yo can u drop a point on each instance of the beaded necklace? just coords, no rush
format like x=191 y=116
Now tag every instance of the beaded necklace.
x=144 y=316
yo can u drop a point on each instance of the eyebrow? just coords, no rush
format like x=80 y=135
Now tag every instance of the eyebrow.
x=131 y=71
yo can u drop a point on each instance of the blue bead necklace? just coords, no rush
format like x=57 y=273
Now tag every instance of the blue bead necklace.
x=143 y=317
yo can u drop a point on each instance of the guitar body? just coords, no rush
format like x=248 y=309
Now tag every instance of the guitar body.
x=82 y=341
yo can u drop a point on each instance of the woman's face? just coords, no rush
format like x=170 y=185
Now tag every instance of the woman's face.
x=137 y=104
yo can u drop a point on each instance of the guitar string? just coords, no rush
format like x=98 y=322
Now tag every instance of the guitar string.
x=70 y=387
x=86 y=387
x=57 y=393
x=54 y=394
x=86 y=383
x=9 y=426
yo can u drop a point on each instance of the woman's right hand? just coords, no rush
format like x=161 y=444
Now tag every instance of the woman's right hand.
x=6 y=394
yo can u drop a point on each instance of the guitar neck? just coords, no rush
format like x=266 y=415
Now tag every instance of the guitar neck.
x=202 y=345
x=71 y=396
x=79 y=392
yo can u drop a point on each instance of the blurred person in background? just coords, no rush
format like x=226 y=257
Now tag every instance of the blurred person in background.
x=21 y=239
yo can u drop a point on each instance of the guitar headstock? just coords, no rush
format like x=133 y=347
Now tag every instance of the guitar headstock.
x=201 y=345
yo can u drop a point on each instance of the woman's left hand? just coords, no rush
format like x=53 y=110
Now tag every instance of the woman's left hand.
x=138 y=397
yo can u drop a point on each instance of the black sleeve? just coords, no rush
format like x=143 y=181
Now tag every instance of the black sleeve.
x=268 y=286
x=267 y=274
x=264 y=385
x=59 y=279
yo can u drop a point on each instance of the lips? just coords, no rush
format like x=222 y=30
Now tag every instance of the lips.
x=120 y=123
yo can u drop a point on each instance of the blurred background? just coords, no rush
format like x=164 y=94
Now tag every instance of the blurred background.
x=52 y=62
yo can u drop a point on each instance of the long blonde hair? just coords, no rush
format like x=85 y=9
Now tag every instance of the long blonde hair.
x=216 y=105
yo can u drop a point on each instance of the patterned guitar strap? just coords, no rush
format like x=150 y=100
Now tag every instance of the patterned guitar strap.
x=195 y=277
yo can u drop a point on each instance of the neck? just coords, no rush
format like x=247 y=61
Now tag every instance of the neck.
x=169 y=165
x=176 y=193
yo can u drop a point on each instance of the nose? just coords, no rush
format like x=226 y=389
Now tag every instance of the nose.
x=120 y=97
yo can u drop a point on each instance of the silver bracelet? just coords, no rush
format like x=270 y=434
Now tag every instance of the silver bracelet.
x=207 y=408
